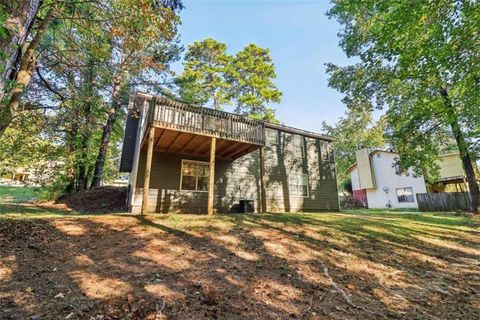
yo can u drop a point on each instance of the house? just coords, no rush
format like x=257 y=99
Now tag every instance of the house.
x=17 y=175
x=451 y=175
x=38 y=173
x=378 y=182
x=188 y=159
x=375 y=171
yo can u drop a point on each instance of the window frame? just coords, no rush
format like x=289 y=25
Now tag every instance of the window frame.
x=196 y=176
x=290 y=184
x=398 y=170
x=325 y=150
x=299 y=138
x=403 y=189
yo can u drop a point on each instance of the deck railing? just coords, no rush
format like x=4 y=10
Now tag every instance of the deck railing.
x=175 y=115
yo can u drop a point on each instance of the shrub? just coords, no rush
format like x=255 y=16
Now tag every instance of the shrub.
x=348 y=201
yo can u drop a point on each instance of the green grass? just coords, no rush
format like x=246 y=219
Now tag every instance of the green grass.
x=19 y=194
x=15 y=202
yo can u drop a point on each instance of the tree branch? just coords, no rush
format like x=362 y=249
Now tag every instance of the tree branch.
x=48 y=86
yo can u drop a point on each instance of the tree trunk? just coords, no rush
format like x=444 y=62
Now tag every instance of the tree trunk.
x=71 y=166
x=82 y=180
x=107 y=131
x=464 y=154
x=21 y=16
x=83 y=172
x=27 y=64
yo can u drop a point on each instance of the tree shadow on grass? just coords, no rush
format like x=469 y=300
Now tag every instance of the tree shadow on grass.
x=227 y=267
x=427 y=264
x=88 y=267
x=33 y=211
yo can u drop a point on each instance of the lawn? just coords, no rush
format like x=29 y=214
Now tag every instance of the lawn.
x=351 y=265
x=18 y=194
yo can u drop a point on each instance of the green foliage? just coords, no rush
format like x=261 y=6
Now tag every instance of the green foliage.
x=92 y=49
x=419 y=59
x=3 y=34
x=143 y=36
x=27 y=144
x=356 y=130
x=3 y=18
x=347 y=186
x=30 y=144
x=246 y=79
x=204 y=76
x=252 y=83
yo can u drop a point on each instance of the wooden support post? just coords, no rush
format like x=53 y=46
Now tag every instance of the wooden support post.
x=148 y=167
x=262 y=181
x=211 y=177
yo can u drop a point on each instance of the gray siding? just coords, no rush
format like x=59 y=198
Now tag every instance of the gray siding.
x=240 y=179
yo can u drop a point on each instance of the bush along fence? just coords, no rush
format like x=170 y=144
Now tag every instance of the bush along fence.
x=445 y=201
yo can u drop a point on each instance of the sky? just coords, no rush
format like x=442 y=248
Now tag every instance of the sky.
x=301 y=39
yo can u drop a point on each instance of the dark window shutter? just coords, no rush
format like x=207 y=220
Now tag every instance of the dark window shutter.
x=128 y=149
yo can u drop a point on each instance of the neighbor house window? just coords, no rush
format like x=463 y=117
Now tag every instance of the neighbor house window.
x=299 y=147
x=399 y=170
x=299 y=185
x=405 y=195
x=194 y=175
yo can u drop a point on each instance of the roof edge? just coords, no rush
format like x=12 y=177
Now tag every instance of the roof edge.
x=302 y=132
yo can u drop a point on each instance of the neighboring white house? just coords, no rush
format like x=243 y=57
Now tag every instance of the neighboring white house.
x=378 y=182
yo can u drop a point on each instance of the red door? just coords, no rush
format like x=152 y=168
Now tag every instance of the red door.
x=361 y=195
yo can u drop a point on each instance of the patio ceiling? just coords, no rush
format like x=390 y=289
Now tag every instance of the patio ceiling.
x=190 y=144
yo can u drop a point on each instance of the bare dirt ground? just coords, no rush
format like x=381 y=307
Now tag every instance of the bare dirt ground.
x=291 y=266
x=107 y=199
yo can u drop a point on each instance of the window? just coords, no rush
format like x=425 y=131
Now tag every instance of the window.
x=272 y=136
x=298 y=185
x=398 y=169
x=405 y=195
x=285 y=138
x=325 y=151
x=194 y=175
x=298 y=147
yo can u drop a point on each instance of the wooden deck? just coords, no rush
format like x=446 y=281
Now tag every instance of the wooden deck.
x=185 y=129
x=173 y=127
x=169 y=114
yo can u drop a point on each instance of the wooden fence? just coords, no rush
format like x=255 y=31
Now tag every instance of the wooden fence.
x=444 y=201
